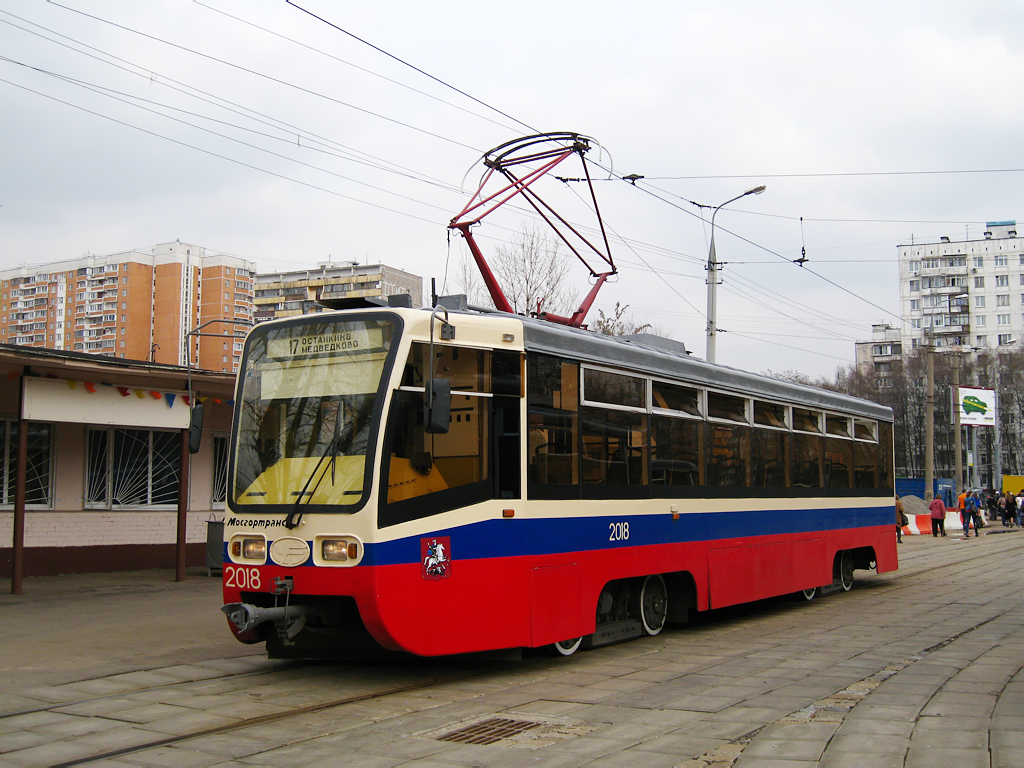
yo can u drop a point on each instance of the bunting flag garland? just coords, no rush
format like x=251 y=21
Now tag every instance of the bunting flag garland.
x=168 y=397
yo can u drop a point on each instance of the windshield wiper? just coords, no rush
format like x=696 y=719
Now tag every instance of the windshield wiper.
x=295 y=516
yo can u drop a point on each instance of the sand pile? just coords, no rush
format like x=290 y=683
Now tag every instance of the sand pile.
x=914 y=505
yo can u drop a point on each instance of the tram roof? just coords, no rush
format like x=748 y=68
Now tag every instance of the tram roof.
x=588 y=346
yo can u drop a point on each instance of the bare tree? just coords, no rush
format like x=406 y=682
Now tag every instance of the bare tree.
x=531 y=270
x=618 y=324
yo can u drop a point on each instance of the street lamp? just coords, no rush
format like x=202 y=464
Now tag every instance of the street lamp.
x=713 y=274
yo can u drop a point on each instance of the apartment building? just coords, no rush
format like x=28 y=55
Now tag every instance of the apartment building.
x=966 y=292
x=282 y=294
x=136 y=304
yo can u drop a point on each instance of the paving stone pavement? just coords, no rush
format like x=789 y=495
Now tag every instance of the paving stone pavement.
x=922 y=667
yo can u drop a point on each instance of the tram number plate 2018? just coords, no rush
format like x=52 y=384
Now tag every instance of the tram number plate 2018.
x=618 y=531
x=242 y=578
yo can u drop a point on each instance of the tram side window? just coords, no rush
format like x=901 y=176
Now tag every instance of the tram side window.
x=465 y=368
x=552 y=414
x=613 y=461
x=885 y=469
x=675 y=452
x=726 y=456
x=838 y=458
x=806 y=460
x=865 y=465
x=768 y=459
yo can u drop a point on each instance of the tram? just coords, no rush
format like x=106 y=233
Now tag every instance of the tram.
x=441 y=481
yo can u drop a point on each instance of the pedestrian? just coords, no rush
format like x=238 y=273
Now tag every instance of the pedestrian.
x=961 y=509
x=973 y=511
x=901 y=520
x=1020 y=504
x=1004 y=513
x=938 y=516
x=1011 y=508
x=990 y=502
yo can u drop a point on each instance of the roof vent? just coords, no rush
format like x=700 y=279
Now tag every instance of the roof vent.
x=944 y=239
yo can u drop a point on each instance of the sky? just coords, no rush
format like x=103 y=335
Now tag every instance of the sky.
x=256 y=129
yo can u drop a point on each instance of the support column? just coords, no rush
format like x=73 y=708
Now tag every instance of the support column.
x=929 y=427
x=957 y=444
x=179 y=548
x=20 y=479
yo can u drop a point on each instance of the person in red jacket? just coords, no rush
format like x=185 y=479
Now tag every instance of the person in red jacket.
x=938 y=516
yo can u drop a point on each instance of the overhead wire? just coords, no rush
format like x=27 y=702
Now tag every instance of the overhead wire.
x=264 y=76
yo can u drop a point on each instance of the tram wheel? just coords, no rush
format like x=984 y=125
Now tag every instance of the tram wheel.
x=808 y=594
x=566 y=647
x=846 y=569
x=653 y=604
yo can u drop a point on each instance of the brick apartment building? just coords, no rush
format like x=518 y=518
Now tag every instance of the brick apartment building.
x=136 y=304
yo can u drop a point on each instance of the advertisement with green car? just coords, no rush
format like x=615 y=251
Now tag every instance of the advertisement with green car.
x=977 y=407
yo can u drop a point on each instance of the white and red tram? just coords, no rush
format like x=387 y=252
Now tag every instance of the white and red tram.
x=557 y=488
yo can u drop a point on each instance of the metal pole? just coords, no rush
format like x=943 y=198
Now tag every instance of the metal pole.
x=179 y=547
x=997 y=451
x=957 y=444
x=712 y=327
x=20 y=476
x=929 y=427
x=974 y=457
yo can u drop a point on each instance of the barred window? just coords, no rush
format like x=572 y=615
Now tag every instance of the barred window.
x=131 y=468
x=39 y=469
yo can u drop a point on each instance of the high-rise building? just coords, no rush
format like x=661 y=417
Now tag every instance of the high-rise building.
x=957 y=293
x=136 y=304
x=282 y=294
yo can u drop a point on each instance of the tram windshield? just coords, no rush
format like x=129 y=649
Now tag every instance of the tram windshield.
x=309 y=413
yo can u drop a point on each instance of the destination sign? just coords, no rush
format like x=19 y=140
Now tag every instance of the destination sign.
x=329 y=342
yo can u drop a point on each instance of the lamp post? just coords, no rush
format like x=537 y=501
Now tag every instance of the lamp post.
x=997 y=479
x=713 y=274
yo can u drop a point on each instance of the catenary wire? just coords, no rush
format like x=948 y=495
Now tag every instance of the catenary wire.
x=265 y=76
x=349 y=63
x=407 y=64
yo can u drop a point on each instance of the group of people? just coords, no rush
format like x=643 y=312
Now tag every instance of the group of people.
x=969 y=505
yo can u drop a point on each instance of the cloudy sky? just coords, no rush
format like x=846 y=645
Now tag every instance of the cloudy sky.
x=255 y=129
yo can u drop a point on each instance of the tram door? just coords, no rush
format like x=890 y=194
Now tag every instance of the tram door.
x=506 y=385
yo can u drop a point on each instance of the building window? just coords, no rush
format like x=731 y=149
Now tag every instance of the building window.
x=980 y=321
x=131 y=468
x=979 y=262
x=1004 y=338
x=1003 y=300
x=1002 y=281
x=979 y=302
x=982 y=341
x=1001 y=261
x=979 y=282
x=915 y=266
x=915 y=285
x=39 y=470
x=915 y=305
x=1003 y=320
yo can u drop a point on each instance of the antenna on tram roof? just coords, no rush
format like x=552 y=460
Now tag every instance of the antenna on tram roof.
x=518 y=161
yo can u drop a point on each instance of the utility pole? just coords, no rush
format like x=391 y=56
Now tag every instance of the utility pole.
x=957 y=445
x=929 y=426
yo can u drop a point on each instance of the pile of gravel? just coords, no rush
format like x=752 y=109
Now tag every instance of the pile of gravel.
x=914 y=505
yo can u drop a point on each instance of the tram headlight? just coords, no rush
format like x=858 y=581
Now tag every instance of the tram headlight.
x=335 y=549
x=254 y=549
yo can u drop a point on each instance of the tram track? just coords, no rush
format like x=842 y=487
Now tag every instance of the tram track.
x=904 y=574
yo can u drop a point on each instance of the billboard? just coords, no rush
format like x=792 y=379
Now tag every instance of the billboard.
x=977 y=407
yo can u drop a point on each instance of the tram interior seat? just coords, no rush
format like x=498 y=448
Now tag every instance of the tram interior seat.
x=551 y=468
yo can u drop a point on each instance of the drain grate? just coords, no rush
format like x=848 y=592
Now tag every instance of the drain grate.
x=488 y=731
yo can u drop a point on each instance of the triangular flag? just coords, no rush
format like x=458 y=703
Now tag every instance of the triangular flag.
x=72 y=384
x=169 y=397
x=140 y=394
x=12 y=375
x=186 y=399
x=216 y=400
x=230 y=402
x=154 y=395
x=124 y=391
x=90 y=386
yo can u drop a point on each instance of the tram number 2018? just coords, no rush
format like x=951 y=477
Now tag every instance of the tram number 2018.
x=618 y=531
x=242 y=578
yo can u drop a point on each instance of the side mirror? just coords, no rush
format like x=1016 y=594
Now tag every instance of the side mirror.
x=437 y=406
x=195 y=428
